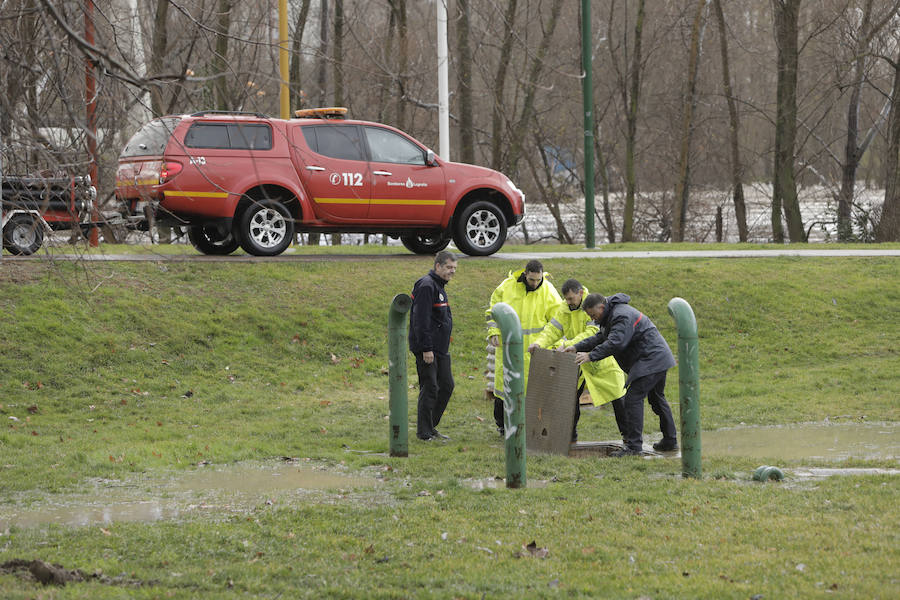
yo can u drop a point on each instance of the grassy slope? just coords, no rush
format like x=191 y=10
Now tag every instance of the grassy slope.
x=108 y=353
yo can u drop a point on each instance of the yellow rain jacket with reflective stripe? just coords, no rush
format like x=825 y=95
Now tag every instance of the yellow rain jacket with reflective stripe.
x=605 y=380
x=535 y=309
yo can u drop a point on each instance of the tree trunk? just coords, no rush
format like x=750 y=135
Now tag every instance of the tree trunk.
x=631 y=135
x=518 y=133
x=785 y=186
x=603 y=173
x=220 y=59
x=338 y=52
x=158 y=47
x=888 y=229
x=689 y=102
x=323 y=53
x=399 y=17
x=297 y=56
x=737 y=168
x=464 y=83
x=498 y=116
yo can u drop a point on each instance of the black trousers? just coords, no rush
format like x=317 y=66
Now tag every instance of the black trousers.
x=629 y=409
x=435 y=388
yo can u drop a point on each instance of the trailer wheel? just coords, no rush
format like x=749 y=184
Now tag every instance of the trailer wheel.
x=23 y=235
x=209 y=239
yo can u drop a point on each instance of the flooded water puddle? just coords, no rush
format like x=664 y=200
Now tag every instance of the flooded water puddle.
x=823 y=441
x=217 y=491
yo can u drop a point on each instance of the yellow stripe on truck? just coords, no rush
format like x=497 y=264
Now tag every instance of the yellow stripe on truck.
x=341 y=200
x=409 y=202
x=188 y=194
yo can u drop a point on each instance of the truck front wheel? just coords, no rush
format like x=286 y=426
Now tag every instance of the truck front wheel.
x=480 y=229
x=210 y=239
x=265 y=228
x=23 y=234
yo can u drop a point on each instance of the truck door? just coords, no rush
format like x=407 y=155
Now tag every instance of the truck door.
x=333 y=168
x=404 y=190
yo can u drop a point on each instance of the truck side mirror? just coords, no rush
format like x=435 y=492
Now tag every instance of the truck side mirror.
x=431 y=159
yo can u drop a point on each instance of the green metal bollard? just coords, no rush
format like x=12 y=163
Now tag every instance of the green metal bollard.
x=513 y=392
x=399 y=434
x=688 y=386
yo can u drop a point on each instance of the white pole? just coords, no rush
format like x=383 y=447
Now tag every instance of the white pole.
x=443 y=81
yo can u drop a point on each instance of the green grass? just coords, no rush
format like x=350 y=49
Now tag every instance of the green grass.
x=130 y=373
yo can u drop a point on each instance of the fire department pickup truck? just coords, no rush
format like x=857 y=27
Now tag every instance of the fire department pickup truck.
x=35 y=205
x=239 y=179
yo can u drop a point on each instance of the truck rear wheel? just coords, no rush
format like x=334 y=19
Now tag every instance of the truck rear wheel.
x=425 y=244
x=209 y=239
x=480 y=229
x=265 y=228
x=23 y=234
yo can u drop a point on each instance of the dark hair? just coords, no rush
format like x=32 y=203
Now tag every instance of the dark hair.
x=534 y=266
x=592 y=300
x=443 y=257
x=571 y=285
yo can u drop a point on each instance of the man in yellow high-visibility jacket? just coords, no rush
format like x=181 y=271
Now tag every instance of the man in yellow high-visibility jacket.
x=604 y=379
x=535 y=301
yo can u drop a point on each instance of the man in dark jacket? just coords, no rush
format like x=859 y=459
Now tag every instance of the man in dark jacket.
x=430 y=325
x=643 y=354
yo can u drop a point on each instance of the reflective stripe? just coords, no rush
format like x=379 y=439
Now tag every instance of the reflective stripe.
x=341 y=200
x=439 y=304
x=532 y=330
x=185 y=194
x=556 y=324
x=638 y=320
x=385 y=201
x=491 y=323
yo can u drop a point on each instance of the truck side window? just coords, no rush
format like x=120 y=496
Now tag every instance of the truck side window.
x=234 y=136
x=335 y=141
x=386 y=146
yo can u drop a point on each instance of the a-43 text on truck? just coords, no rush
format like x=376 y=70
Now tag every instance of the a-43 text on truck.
x=237 y=179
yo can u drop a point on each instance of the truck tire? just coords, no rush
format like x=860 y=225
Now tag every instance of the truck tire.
x=265 y=228
x=23 y=234
x=480 y=229
x=209 y=239
x=425 y=244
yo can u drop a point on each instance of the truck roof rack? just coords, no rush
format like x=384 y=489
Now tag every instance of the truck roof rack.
x=328 y=112
x=203 y=113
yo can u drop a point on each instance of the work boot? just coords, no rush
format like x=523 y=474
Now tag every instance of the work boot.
x=437 y=434
x=426 y=438
x=666 y=445
x=625 y=452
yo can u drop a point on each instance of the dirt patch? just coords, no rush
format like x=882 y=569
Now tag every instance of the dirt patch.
x=53 y=574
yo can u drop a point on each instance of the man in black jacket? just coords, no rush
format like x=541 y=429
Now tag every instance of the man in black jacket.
x=643 y=354
x=430 y=326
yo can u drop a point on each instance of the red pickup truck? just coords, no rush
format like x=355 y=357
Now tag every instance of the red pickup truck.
x=237 y=179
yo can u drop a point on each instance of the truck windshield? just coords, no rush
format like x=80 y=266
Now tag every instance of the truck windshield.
x=152 y=138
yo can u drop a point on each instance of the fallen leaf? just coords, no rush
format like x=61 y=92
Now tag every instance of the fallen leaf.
x=325 y=403
x=295 y=339
x=334 y=359
x=370 y=549
x=33 y=409
x=105 y=531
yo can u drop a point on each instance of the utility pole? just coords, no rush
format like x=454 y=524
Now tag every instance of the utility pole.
x=443 y=80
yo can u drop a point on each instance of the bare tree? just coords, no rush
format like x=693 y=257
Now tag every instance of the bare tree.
x=784 y=194
x=852 y=150
x=737 y=168
x=464 y=83
x=888 y=229
x=689 y=102
x=297 y=93
x=499 y=114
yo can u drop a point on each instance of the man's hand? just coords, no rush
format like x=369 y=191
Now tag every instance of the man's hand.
x=428 y=357
x=494 y=340
x=533 y=347
x=568 y=349
x=582 y=357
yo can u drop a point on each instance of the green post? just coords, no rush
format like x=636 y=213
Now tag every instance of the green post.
x=399 y=434
x=513 y=392
x=688 y=386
